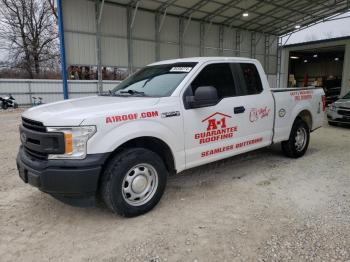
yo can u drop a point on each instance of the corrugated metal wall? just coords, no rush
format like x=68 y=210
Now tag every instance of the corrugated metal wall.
x=211 y=40
x=23 y=90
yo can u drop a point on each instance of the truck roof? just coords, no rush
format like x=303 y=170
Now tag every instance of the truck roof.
x=203 y=59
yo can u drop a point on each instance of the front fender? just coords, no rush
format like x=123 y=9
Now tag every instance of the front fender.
x=113 y=136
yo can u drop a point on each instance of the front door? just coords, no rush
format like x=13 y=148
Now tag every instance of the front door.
x=239 y=122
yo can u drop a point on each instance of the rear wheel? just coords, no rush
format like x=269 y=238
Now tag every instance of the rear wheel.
x=4 y=105
x=298 y=141
x=133 y=182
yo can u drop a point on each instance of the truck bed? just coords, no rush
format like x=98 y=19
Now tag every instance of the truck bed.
x=289 y=102
x=285 y=89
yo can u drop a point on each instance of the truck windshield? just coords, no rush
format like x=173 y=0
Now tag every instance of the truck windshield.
x=154 y=81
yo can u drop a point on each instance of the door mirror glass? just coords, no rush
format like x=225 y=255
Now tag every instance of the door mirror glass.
x=204 y=96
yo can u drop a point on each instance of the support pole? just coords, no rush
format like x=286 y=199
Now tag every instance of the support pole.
x=163 y=19
x=157 y=36
x=252 y=44
x=181 y=37
x=62 y=49
x=266 y=53
x=134 y=14
x=279 y=58
x=221 y=40
x=201 y=39
x=238 y=43
x=187 y=25
x=98 y=46
x=100 y=13
x=129 y=40
x=30 y=92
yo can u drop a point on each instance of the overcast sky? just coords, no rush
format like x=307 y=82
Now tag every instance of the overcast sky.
x=324 y=30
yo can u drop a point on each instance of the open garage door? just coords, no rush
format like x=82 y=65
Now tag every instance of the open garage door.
x=320 y=67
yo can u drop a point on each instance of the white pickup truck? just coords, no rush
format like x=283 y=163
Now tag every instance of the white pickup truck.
x=167 y=117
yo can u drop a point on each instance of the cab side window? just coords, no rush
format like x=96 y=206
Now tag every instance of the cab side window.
x=248 y=78
x=216 y=75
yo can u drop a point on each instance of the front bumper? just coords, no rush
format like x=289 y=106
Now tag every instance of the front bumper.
x=72 y=181
x=333 y=116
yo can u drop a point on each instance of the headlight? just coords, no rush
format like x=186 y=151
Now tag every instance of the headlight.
x=75 y=140
x=332 y=107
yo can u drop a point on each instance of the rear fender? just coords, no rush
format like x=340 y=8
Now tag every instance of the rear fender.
x=296 y=112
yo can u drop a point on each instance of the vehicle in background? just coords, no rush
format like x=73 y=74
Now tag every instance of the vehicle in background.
x=37 y=101
x=8 y=101
x=167 y=117
x=332 y=94
x=339 y=111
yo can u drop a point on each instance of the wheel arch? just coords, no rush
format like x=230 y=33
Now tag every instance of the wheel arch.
x=153 y=144
x=306 y=116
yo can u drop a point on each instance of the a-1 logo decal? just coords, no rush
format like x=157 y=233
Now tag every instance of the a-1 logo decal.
x=216 y=129
x=213 y=124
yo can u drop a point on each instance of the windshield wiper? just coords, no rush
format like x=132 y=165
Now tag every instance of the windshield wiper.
x=132 y=92
x=110 y=93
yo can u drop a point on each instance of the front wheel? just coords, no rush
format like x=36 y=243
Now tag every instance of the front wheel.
x=298 y=141
x=133 y=182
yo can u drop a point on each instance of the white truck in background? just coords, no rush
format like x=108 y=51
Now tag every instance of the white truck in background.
x=167 y=117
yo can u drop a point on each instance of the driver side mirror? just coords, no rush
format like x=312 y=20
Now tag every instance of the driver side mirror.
x=204 y=96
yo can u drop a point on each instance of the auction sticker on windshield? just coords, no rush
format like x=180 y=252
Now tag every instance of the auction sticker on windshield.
x=184 y=69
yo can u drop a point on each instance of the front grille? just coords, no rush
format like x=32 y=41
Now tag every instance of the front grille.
x=342 y=107
x=37 y=142
x=35 y=154
x=33 y=125
x=344 y=112
x=38 y=127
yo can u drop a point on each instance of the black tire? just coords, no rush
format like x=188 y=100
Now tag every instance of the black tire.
x=289 y=147
x=4 y=106
x=119 y=167
x=15 y=105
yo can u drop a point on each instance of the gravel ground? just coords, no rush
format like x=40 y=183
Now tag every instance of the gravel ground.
x=259 y=206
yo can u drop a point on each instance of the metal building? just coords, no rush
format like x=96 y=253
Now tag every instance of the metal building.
x=130 y=34
x=324 y=63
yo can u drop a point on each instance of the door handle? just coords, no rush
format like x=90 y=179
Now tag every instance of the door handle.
x=239 y=109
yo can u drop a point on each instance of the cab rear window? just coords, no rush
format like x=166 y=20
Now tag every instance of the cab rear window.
x=249 y=79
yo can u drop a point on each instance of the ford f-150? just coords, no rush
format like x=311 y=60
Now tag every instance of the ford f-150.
x=167 y=117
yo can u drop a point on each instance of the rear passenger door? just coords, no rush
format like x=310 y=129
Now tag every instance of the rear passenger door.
x=255 y=125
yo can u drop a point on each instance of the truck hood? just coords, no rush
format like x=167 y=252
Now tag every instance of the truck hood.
x=73 y=112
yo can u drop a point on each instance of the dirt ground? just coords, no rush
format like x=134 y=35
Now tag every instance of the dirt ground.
x=259 y=206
